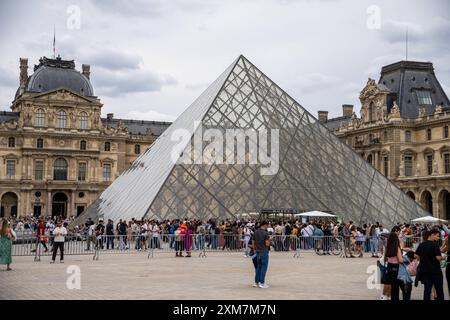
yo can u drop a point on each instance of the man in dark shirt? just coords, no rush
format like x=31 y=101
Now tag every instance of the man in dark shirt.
x=430 y=270
x=261 y=243
x=110 y=234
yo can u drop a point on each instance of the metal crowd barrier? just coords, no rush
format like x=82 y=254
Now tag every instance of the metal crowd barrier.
x=200 y=245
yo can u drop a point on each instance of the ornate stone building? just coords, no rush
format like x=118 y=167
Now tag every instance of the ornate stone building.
x=403 y=131
x=57 y=153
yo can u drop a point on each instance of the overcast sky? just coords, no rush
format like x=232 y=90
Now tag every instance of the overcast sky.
x=151 y=59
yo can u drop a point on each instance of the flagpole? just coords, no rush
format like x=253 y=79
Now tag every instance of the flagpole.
x=54 y=42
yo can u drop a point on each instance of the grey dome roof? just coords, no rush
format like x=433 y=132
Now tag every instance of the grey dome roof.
x=56 y=73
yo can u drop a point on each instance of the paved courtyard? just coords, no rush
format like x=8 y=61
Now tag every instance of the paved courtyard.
x=219 y=276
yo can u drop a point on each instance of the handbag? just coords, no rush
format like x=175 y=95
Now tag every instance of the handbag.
x=403 y=274
x=384 y=273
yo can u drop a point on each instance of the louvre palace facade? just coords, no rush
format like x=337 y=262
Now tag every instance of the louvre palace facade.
x=57 y=153
x=403 y=131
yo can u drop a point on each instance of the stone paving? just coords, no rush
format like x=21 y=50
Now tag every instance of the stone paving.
x=221 y=275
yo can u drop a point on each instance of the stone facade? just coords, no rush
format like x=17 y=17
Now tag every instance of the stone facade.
x=57 y=153
x=412 y=151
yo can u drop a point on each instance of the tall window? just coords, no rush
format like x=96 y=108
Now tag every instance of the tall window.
x=137 y=149
x=447 y=163
x=106 y=171
x=39 y=170
x=60 y=169
x=424 y=97
x=386 y=166
x=369 y=158
x=371 y=112
x=407 y=136
x=430 y=164
x=11 y=142
x=10 y=168
x=107 y=146
x=61 y=119
x=445 y=132
x=40 y=143
x=82 y=171
x=429 y=134
x=408 y=166
x=82 y=145
x=83 y=120
x=39 y=118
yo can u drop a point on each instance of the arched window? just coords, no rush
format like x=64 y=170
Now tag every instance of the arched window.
x=429 y=134
x=11 y=142
x=40 y=143
x=39 y=118
x=107 y=146
x=407 y=136
x=82 y=145
x=369 y=159
x=61 y=119
x=137 y=149
x=60 y=169
x=83 y=120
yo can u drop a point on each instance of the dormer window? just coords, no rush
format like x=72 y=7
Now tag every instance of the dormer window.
x=424 y=97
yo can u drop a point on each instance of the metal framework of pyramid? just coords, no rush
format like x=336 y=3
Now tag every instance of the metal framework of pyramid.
x=316 y=171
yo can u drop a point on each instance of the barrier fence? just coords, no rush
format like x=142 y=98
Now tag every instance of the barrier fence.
x=200 y=245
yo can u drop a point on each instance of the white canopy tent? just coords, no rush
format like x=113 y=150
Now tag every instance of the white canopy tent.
x=428 y=219
x=315 y=214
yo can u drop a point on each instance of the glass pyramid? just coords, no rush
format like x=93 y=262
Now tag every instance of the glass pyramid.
x=316 y=171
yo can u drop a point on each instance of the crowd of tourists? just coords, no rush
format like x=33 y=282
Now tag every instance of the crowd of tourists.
x=406 y=252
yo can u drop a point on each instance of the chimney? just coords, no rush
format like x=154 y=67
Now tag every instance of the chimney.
x=109 y=116
x=23 y=74
x=86 y=70
x=347 y=110
x=323 y=116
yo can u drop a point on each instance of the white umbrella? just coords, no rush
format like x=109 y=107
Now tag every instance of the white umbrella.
x=428 y=219
x=315 y=214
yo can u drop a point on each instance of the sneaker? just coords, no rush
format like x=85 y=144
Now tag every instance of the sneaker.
x=62 y=261
x=255 y=285
x=263 y=286
x=383 y=297
x=52 y=261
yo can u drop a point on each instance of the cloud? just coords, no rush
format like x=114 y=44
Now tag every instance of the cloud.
x=113 y=59
x=8 y=79
x=314 y=82
x=433 y=34
x=152 y=8
x=150 y=115
x=121 y=82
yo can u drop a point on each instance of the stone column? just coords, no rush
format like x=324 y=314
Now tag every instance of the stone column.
x=71 y=211
x=49 y=203
x=27 y=203
x=377 y=159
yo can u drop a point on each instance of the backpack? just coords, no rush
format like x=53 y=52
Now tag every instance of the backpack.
x=178 y=235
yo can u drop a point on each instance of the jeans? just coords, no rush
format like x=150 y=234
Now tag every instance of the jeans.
x=262 y=265
x=436 y=280
x=200 y=242
x=246 y=241
x=373 y=246
x=214 y=241
x=109 y=241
